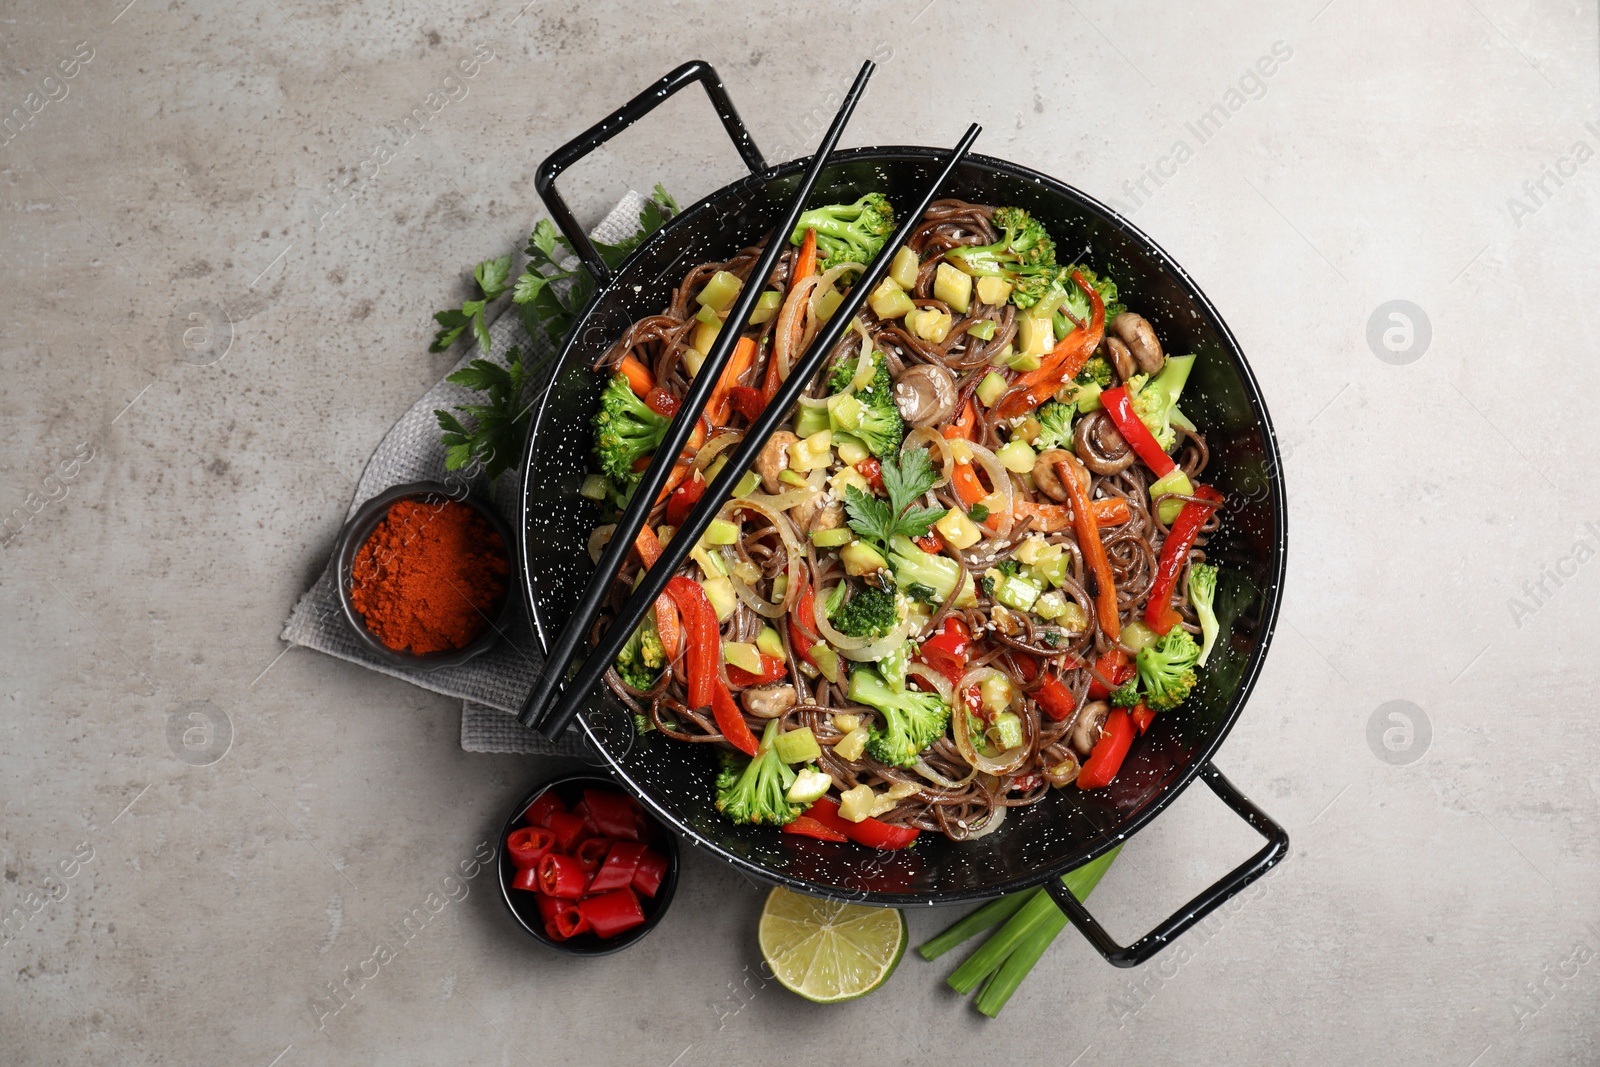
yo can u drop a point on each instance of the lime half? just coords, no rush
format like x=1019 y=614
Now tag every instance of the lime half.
x=827 y=951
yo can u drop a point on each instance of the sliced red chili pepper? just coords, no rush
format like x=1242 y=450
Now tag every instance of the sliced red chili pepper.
x=526 y=878
x=618 y=869
x=872 y=471
x=684 y=498
x=591 y=851
x=809 y=827
x=569 y=922
x=1159 y=614
x=526 y=845
x=1119 y=405
x=946 y=651
x=747 y=401
x=661 y=402
x=568 y=828
x=561 y=876
x=648 y=874
x=548 y=906
x=609 y=914
x=538 y=813
x=1052 y=695
x=772 y=668
x=1115 y=668
x=1105 y=759
x=581 y=810
x=614 y=814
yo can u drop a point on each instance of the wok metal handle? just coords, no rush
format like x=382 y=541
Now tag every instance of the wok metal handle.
x=1204 y=904
x=696 y=70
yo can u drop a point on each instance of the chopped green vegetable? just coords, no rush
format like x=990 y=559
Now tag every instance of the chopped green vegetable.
x=625 y=430
x=1055 y=425
x=1025 y=256
x=798 y=746
x=979 y=512
x=848 y=233
x=1155 y=399
x=912 y=720
x=1202 y=592
x=755 y=792
x=641 y=659
x=869 y=413
x=871 y=612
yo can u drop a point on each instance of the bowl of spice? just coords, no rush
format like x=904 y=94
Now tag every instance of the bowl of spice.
x=424 y=575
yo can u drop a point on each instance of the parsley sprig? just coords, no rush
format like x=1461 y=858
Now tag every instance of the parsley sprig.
x=548 y=297
x=900 y=516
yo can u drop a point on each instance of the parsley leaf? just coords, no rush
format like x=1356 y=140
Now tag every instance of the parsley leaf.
x=979 y=512
x=925 y=593
x=499 y=426
x=1009 y=567
x=905 y=480
x=490 y=277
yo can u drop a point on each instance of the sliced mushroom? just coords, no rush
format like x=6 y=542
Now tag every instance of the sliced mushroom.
x=925 y=394
x=1044 y=473
x=828 y=518
x=802 y=513
x=1136 y=332
x=1100 y=445
x=768 y=701
x=1121 y=359
x=1087 y=726
x=774 y=458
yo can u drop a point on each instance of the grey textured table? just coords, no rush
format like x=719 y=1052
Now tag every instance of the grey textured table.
x=218 y=897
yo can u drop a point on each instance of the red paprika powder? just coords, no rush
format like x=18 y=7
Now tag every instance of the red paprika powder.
x=430 y=576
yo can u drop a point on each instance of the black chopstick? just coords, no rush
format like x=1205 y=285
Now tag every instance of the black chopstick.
x=573 y=635
x=717 y=493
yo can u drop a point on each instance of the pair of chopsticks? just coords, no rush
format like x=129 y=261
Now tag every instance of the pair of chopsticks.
x=551 y=707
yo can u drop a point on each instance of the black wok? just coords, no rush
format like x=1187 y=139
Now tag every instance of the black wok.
x=1069 y=827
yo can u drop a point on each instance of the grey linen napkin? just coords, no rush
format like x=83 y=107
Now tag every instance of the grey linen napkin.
x=492 y=685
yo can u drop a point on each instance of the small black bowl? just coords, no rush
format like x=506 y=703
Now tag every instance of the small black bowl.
x=521 y=904
x=360 y=527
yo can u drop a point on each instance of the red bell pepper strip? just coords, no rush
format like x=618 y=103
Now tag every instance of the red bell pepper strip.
x=869 y=831
x=609 y=914
x=946 y=651
x=561 y=876
x=1094 y=553
x=1105 y=760
x=806 y=826
x=1119 y=405
x=930 y=542
x=1061 y=365
x=648 y=874
x=526 y=878
x=801 y=636
x=704 y=655
x=567 y=828
x=1115 y=668
x=772 y=668
x=527 y=845
x=1052 y=695
x=747 y=401
x=614 y=814
x=617 y=870
x=1159 y=614
x=684 y=498
x=1142 y=716
x=538 y=813
x=640 y=380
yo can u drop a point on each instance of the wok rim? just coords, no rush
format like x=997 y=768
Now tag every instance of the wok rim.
x=1272 y=595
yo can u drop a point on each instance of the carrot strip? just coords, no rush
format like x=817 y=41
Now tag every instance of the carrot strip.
x=1094 y=553
x=640 y=380
x=720 y=407
x=668 y=626
x=1051 y=518
x=963 y=426
x=805 y=264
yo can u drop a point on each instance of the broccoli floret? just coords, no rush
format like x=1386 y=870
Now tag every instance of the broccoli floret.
x=754 y=792
x=1095 y=372
x=1155 y=400
x=893 y=667
x=1202 y=591
x=1055 y=425
x=912 y=566
x=848 y=233
x=912 y=720
x=624 y=430
x=1126 y=695
x=1166 y=669
x=1076 y=301
x=1025 y=247
x=869 y=413
x=871 y=612
x=642 y=658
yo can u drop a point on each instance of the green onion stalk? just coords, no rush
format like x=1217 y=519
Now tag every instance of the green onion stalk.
x=1031 y=922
